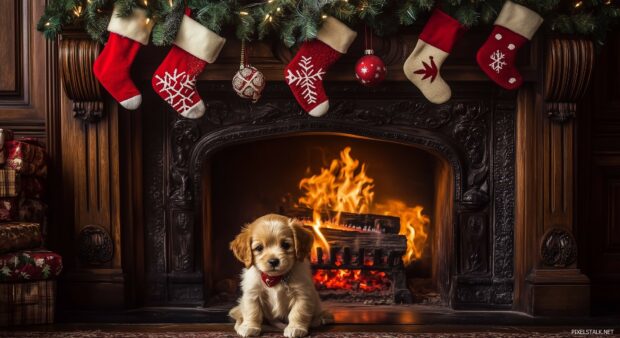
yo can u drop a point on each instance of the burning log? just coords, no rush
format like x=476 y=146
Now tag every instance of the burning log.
x=355 y=250
x=374 y=258
x=359 y=222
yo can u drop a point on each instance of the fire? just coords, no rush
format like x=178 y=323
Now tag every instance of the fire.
x=341 y=187
x=355 y=280
x=413 y=224
x=346 y=187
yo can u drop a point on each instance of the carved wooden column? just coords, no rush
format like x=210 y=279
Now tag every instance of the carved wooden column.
x=91 y=177
x=553 y=283
x=77 y=54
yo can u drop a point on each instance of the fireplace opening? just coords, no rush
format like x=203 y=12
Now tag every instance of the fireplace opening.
x=381 y=213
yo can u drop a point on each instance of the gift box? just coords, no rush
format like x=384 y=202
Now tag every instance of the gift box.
x=32 y=210
x=29 y=265
x=26 y=158
x=5 y=135
x=10 y=183
x=8 y=209
x=17 y=236
x=27 y=303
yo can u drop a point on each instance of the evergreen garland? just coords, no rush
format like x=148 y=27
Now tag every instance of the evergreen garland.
x=295 y=21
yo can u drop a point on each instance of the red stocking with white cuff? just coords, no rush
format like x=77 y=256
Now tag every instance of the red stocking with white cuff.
x=112 y=66
x=304 y=74
x=194 y=47
x=515 y=25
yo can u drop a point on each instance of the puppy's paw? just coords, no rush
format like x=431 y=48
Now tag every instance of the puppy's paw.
x=295 y=331
x=247 y=331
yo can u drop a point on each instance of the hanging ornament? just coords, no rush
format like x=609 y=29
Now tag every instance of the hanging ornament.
x=248 y=82
x=370 y=69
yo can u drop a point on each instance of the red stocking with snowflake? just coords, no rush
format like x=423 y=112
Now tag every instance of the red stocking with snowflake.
x=127 y=35
x=304 y=74
x=515 y=25
x=174 y=80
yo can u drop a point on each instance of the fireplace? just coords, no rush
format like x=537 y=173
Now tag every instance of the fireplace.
x=451 y=164
x=362 y=199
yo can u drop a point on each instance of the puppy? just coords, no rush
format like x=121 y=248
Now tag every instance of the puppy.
x=276 y=282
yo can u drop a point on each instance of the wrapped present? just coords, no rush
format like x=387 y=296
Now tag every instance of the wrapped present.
x=10 y=183
x=5 y=135
x=26 y=158
x=17 y=236
x=32 y=210
x=8 y=209
x=32 y=187
x=29 y=265
x=27 y=303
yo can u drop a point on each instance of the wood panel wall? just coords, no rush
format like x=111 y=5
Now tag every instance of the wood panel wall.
x=27 y=61
x=598 y=197
x=29 y=99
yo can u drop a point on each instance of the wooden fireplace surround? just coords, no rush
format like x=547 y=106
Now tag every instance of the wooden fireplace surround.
x=101 y=166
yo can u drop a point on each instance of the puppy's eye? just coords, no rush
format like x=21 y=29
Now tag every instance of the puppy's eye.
x=285 y=245
x=258 y=248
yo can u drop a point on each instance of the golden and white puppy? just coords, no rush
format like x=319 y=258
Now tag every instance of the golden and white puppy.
x=276 y=282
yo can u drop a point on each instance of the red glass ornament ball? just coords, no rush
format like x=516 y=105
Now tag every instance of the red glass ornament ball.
x=370 y=70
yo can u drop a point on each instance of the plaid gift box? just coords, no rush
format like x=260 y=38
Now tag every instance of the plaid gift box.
x=10 y=183
x=26 y=158
x=29 y=265
x=5 y=135
x=8 y=209
x=27 y=303
x=16 y=236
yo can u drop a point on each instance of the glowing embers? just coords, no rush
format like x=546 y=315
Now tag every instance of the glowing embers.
x=352 y=280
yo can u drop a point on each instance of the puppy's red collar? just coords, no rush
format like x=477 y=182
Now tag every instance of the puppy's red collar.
x=270 y=281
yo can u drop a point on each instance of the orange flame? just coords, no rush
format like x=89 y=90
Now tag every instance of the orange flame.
x=413 y=224
x=345 y=187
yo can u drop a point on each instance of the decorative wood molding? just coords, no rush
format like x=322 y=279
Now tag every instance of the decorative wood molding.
x=567 y=78
x=76 y=57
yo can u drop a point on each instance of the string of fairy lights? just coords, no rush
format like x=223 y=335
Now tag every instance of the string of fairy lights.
x=295 y=21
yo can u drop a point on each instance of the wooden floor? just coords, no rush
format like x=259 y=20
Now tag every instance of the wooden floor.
x=348 y=316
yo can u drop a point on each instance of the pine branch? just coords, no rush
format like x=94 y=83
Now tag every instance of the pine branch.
x=295 y=21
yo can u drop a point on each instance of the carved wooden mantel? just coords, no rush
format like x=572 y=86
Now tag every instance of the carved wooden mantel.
x=102 y=162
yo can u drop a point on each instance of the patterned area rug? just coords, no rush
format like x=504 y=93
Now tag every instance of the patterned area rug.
x=110 y=334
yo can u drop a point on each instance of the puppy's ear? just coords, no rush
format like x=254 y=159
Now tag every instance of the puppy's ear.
x=241 y=247
x=303 y=239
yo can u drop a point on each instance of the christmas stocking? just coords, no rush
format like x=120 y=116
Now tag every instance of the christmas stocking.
x=112 y=66
x=433 y=47
x=174 y=80
x=514 y=26
x=304 y=74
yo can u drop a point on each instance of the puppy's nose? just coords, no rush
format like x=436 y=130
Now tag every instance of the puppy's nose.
x=274 y=262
